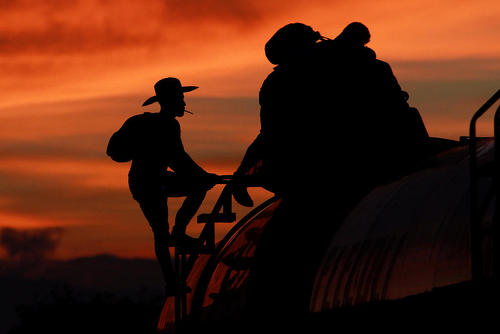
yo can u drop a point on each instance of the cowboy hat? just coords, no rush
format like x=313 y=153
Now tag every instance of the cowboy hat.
x=168 y=86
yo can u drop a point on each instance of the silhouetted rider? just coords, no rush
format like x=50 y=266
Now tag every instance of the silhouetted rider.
x=156 y=146
x=282 y=156
x=285 y=100
x=333 y=110
x=333 y=126
x=379 y=135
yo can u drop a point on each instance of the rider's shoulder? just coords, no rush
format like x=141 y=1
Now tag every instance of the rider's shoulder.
x=144 y=116
x=141 y=120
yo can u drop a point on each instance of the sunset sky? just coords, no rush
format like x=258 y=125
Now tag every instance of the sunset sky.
x=73 y=71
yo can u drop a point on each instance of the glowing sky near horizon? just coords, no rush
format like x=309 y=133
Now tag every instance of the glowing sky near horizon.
x=73 y=71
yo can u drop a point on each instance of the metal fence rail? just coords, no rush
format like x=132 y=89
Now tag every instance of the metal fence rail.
x=476 y=234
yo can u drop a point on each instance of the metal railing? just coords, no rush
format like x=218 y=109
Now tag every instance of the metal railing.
x=222 y=212
x=476 y=235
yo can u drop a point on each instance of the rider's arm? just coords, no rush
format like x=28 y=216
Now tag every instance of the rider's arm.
x=252 y=156
x=181 y=162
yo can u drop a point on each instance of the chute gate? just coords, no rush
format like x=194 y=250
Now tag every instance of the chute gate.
x=185 y=257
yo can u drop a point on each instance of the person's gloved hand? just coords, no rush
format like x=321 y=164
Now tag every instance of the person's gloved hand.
x=240 y=192
x=210 y=180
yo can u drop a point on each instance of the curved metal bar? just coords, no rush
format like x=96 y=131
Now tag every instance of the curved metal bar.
x=475 y=235
x=206 y=275
x=480 y=112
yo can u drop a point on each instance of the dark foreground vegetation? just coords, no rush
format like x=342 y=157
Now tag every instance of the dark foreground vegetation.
x=100 y=294
x=63 y=311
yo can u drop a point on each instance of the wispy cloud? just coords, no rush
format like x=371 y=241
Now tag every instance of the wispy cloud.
x=84 y=26
x=53 y=50
x=461 y=69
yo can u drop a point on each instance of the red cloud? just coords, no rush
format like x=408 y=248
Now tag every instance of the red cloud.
x=87 y=25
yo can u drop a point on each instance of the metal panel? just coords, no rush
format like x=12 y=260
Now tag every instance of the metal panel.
x=405 y=238
x=226 y=292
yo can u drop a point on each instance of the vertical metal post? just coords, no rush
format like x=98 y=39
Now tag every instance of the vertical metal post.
x=227 y=206
x=183 y=275
x=476 y=256
x=180 y=300
x=496 y=185
x=210 y=227
x=177 y=298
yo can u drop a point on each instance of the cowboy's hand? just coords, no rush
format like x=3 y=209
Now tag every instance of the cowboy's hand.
x=210 y=180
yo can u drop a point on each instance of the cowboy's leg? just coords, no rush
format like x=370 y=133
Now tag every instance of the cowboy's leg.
x=156 y=212
x=195 y=194
x=188 y=209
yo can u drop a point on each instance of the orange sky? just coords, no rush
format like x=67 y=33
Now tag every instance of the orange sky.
x=73 y=71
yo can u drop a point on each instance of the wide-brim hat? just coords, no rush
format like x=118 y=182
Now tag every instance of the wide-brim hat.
x=166 y=87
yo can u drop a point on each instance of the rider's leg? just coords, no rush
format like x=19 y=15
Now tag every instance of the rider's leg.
x=187 y=211
x=156 y=212
x=177 y=186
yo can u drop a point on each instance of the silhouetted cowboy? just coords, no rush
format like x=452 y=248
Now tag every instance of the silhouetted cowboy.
x=283 y=156
x=385 y=137
x=156 y=145
x=285 y=99
x=333 y=126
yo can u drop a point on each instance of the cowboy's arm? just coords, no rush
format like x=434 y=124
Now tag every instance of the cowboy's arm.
x=248 y=166
x=184 y=165
x=252 y=156
x=181 y=162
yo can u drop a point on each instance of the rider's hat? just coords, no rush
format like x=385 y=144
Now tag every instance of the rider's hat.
x=166 y=87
